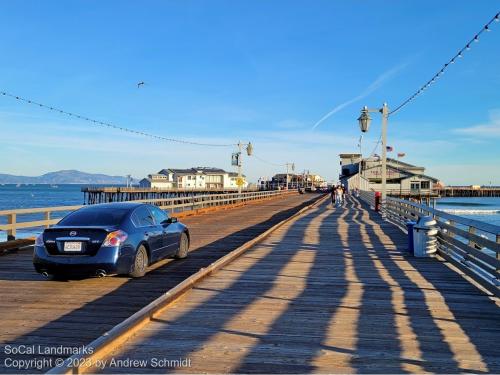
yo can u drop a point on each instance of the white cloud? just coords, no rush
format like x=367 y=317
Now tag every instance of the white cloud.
x=490 y=129
x=371 y=88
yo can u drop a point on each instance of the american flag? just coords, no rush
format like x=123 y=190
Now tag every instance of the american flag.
x=389 y=148
x=401 y=154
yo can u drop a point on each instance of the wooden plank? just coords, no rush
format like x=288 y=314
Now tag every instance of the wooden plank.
x=15 y=244
x=26 y=294
x=333 y=291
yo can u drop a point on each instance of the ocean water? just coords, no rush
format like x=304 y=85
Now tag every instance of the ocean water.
x=482 y=209
x=30 y=196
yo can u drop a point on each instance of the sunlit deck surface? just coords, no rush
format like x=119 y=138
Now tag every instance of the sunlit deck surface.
x=35 y=311
x=332 y=291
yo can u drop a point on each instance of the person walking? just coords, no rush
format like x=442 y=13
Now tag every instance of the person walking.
x=339 y=195
x=332 y=195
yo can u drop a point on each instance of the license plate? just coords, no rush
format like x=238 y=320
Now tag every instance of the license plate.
x=72 y=246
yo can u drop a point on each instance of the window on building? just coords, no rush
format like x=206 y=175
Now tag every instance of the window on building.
x=425 y=184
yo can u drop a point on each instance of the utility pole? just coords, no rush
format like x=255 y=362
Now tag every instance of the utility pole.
x=239 y=165
x=292 y=165
x=385 y=115
x=360 y=164
x=239 y=161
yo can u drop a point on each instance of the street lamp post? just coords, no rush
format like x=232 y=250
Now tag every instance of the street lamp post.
x=364 y=123
x=360 y=163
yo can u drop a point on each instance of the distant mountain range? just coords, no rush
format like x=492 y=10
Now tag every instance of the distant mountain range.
x=65 y=177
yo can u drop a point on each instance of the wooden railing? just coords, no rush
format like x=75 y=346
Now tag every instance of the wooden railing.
x=471 y=245
x=45 y=215
x=414 y=192
x=367 y=196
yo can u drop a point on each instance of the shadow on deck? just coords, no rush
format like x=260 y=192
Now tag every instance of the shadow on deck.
x=333 y=291
x=76 y=312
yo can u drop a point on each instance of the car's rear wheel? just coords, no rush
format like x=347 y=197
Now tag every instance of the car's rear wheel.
x=140 y=262
x=183 y=250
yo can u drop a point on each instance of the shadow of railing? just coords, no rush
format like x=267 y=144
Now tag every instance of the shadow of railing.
x=434 y=321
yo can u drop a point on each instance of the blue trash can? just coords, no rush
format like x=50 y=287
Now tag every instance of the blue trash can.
x=409 y=226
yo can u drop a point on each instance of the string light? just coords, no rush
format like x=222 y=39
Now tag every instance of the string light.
x=467 y=47
x=268 y=162
x=110 y=125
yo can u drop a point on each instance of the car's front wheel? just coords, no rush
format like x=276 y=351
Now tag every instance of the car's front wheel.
x=140 y=262
x=183 y=250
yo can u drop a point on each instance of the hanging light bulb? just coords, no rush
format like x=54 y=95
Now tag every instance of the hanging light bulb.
x=460 y=54
x=467 y=47
x=487 y=28
x=497 y=17
x=452 y=61
x=476 y=39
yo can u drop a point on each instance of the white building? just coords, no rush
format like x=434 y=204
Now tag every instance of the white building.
x=402 y=178
x=158 y=181
x=202 y=178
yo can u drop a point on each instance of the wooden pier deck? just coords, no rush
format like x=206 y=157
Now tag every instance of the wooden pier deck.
x=35 y=311
x=333 y=291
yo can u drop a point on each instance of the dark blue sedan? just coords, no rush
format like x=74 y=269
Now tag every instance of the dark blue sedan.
x=112 y=238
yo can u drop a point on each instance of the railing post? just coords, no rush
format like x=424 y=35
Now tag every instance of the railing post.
x=452 y=223
x=498 y=258
x=47 y=218
x=472 y=230
x=11 y=233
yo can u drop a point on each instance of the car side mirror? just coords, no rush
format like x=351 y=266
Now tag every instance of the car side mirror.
x=170 y=220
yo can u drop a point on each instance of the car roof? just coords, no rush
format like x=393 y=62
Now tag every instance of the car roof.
x=115 y=205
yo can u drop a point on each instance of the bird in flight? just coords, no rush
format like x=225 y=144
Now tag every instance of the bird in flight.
x=140 y=84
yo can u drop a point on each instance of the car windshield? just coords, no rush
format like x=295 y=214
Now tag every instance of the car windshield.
x=95 y=216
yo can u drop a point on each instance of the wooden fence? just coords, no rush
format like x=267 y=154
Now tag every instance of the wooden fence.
x=47 y=216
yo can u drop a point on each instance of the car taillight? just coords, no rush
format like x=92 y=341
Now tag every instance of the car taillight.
x=115 y=238
x=39 y=240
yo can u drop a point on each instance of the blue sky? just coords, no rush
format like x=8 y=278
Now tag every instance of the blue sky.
x=264 y=71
